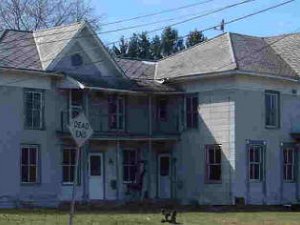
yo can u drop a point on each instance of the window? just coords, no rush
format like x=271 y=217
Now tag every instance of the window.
x=76 y=102
x=116 y=108
x=129 y=165
x=76 y=60
x=68 y=165
x=213 y=163
x=288 y=164
x=191 y=111
x=34 y=109
x=29 y=164
x=255 y=162
x=162 y=109
x=272 y=109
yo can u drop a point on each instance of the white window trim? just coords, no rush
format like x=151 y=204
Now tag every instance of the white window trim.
x=292 y=151
x=37 y=149
x=208 y=164
x=123 y=164
x=260 y=163
x=33 y=92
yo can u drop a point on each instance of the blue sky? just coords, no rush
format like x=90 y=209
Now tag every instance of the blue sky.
x=277 y=21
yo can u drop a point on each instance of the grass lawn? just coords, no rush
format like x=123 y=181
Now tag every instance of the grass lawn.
x=52 y=217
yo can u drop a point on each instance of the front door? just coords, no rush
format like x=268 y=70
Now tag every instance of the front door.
x=164 y=176
x=95 y=176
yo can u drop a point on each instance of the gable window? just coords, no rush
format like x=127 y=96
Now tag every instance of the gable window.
x=76 y=60
x=129 y=165
x=255 y=162
x=68 y=165
x=272 y=109
x=162 y=109
x=288 y=164
x=29 y=163
x=116 y=110
x=34 y=108
x=213 y=163
x=191 y=106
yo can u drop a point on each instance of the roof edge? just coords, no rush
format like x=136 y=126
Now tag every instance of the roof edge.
x=234 y=60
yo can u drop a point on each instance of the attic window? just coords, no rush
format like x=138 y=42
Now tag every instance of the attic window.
x=76 y=60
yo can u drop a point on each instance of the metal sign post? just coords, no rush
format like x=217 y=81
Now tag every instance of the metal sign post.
x=81 y=131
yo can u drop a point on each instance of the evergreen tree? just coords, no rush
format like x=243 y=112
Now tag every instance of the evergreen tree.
x=194 y=37
x=169 y=39
x=133 y=47
x=179 y=45
x=155 y=48
x=144 y=46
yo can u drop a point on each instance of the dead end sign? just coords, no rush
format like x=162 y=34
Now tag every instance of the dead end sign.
x=80 y=129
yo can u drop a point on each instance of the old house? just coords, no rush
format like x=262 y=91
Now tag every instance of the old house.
x=213 y=124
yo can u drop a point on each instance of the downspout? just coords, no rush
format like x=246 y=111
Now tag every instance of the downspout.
x=149 y=143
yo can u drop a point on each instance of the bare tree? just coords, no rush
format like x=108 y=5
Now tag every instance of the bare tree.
x=37 y=14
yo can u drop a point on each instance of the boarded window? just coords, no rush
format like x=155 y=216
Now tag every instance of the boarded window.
x=213 y=162
x=29 y=164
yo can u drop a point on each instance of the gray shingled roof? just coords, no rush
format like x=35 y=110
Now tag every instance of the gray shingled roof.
x=232 y=51
x=18 y=50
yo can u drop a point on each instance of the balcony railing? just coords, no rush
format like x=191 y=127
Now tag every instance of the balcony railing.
x=99 y=123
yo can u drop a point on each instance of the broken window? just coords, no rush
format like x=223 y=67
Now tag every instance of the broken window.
x=288 y=164
x=213 y=162
x=34 y=109
x=29 y=164
x=116 y=109
x=129 y=165
x=162 y=109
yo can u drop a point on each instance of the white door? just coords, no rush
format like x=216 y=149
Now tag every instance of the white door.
x=96 y=176
x=164 y=176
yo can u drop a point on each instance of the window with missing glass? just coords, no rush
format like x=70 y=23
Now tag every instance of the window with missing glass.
x=34 y=108
x=191 y=109
x=116 y=110
x=289 y=164
x=213 y=163
x=29 y=164
x=162 y=109
x=129 y=165
x=272 y=109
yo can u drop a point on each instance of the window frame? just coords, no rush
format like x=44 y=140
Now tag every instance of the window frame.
x=208 y=164
x=193 y=113
x=286 y=164
x=62 y=165
x=128 y=165
x=40 y=92
x=260 y=164
x=276 y=110
x=37 y=164
x=115 y=99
